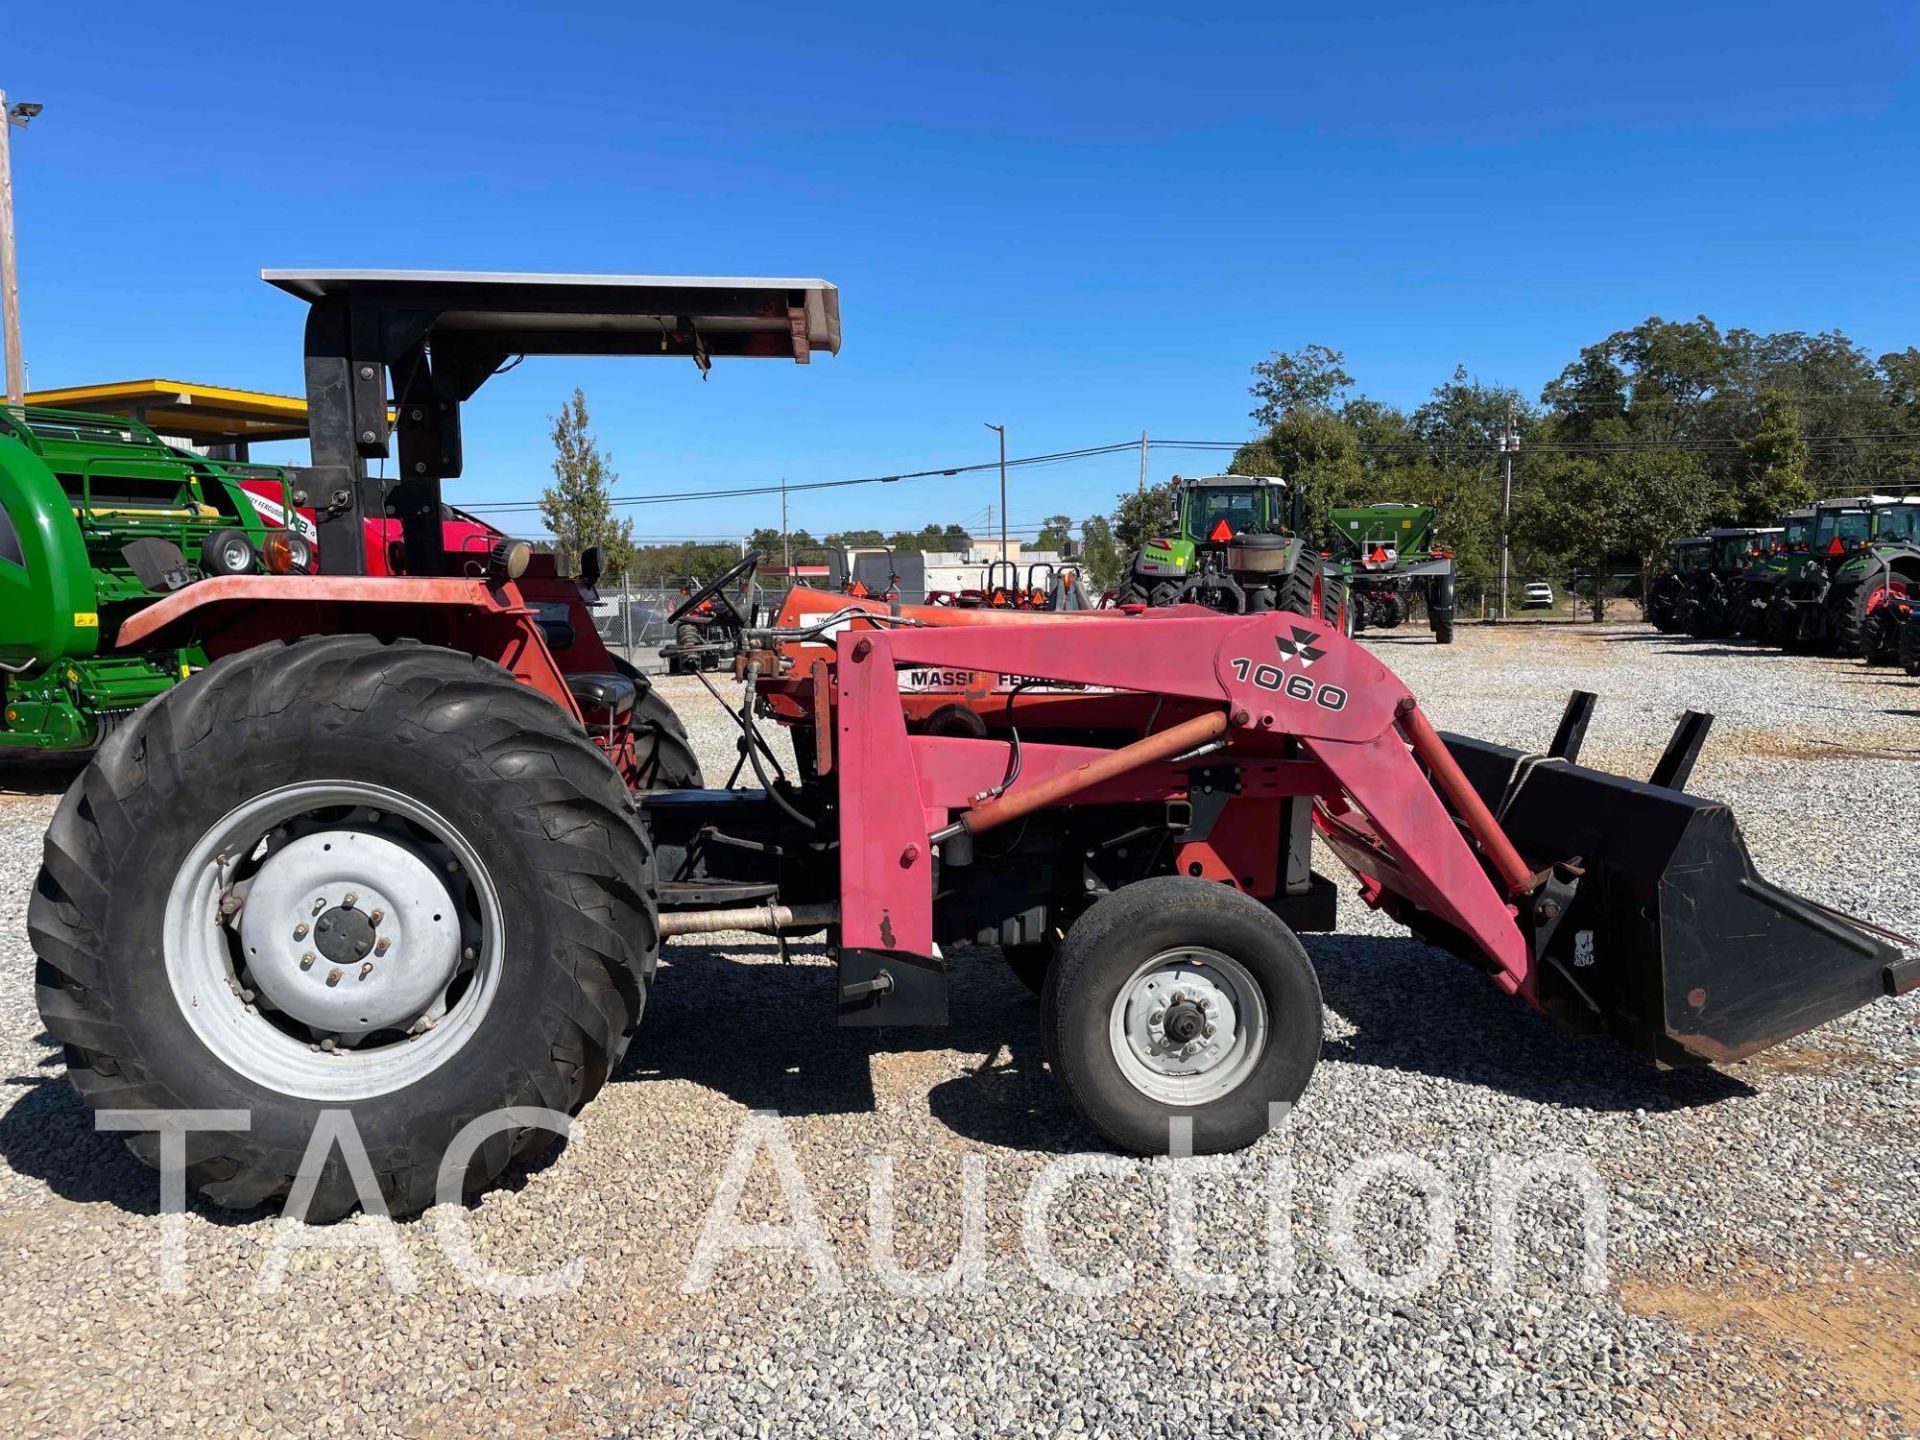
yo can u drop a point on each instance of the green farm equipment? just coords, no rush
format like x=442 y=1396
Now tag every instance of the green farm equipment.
x=1714 y=602
x=1779 y=553
x=1863 y=554
x=1234 y=546
x=1907 y=611
x=99 y=517
x=1390 y=558
x=1669 y=596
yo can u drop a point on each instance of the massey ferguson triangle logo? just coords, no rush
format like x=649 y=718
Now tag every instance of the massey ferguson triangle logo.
x=1300 y=647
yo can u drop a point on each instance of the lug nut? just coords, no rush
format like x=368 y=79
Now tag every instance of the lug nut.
x=381 y=947
x=469 y=953
x=329 y=1045
x=1156 y=1017
x=306 y=961
x=373 y=816
x=333 y=976
x=300 y=931
x=376 y=916
x=320 y=904
x=366 y=970
x=351 y=900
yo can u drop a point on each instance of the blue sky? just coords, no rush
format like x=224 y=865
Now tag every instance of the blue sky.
x=1082 y=221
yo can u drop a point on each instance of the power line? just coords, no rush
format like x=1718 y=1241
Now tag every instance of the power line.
x=1439 y=450
x=732 y=492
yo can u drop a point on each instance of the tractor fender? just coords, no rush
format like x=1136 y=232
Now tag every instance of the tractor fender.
x=237 y=612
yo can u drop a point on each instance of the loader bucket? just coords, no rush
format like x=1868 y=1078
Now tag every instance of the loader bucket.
x=1671 y=942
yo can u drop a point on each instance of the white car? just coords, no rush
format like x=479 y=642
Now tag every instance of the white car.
x=1536 y=595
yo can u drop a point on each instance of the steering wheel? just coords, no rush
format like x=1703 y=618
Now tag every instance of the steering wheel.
x=711 y=591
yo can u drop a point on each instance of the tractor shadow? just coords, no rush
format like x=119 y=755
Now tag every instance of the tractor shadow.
x=764 y=1035
x=41 y=774
x=734 y=1020
x=731 y=1018
x=47 y=1132
x=1420 y=1011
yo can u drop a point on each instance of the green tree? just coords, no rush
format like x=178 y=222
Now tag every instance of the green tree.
x=1100 y=554
x=1772 y=475
x=1314 y=451
x=1055 y=531
x=1289 y=382
x=578 y=507
x=1143 y=514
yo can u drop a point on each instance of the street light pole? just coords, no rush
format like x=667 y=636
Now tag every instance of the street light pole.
x=1002 y=431
x=17 y=114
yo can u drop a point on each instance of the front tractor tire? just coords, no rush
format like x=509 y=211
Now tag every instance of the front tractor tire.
x=1178 y=998
x=344 y=874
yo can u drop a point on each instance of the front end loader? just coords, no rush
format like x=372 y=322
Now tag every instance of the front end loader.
x=385 y=854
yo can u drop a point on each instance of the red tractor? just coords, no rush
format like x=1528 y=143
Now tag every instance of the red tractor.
x=402 y=849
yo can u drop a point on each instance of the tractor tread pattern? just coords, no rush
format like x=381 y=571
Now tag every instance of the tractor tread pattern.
x=573 y=818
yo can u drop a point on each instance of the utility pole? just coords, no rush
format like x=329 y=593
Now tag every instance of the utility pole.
x=13 y=115
x=1508 y=444
x=1143 y=462
x=786 y=544
x=1003 y=488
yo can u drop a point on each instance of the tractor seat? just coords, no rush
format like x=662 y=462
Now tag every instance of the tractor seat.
x=604 y=697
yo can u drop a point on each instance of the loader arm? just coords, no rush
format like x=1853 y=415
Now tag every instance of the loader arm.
x=1275 y=678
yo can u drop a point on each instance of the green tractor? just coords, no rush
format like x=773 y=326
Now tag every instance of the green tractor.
x=1712 y=607
x=1862 y=556
x=99 y=517
x=1389 y=558
x=1669 y=597
x=1779 y=553
x=1235 y=547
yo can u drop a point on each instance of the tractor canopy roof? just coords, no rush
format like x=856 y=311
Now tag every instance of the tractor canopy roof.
x=506 y=314
x=1233 y=481
x=1734 y=532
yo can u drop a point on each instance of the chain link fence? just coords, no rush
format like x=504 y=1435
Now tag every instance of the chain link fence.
x=1565 y=597
x=632 y=620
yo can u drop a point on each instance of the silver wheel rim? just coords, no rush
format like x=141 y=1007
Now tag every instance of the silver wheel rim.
x=1149 y=1026
x=333 y=940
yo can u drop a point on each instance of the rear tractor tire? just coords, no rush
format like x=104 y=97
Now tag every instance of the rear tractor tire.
x=1180 y=998
x=1854 y=616
x=343 y=874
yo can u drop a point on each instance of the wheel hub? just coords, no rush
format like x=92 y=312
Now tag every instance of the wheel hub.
x=344 y=935
x=1183 y=1022
x=340 y=950
x=1188 y=1026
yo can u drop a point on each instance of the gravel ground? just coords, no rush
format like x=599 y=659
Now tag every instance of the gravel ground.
x=1761 y=1271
